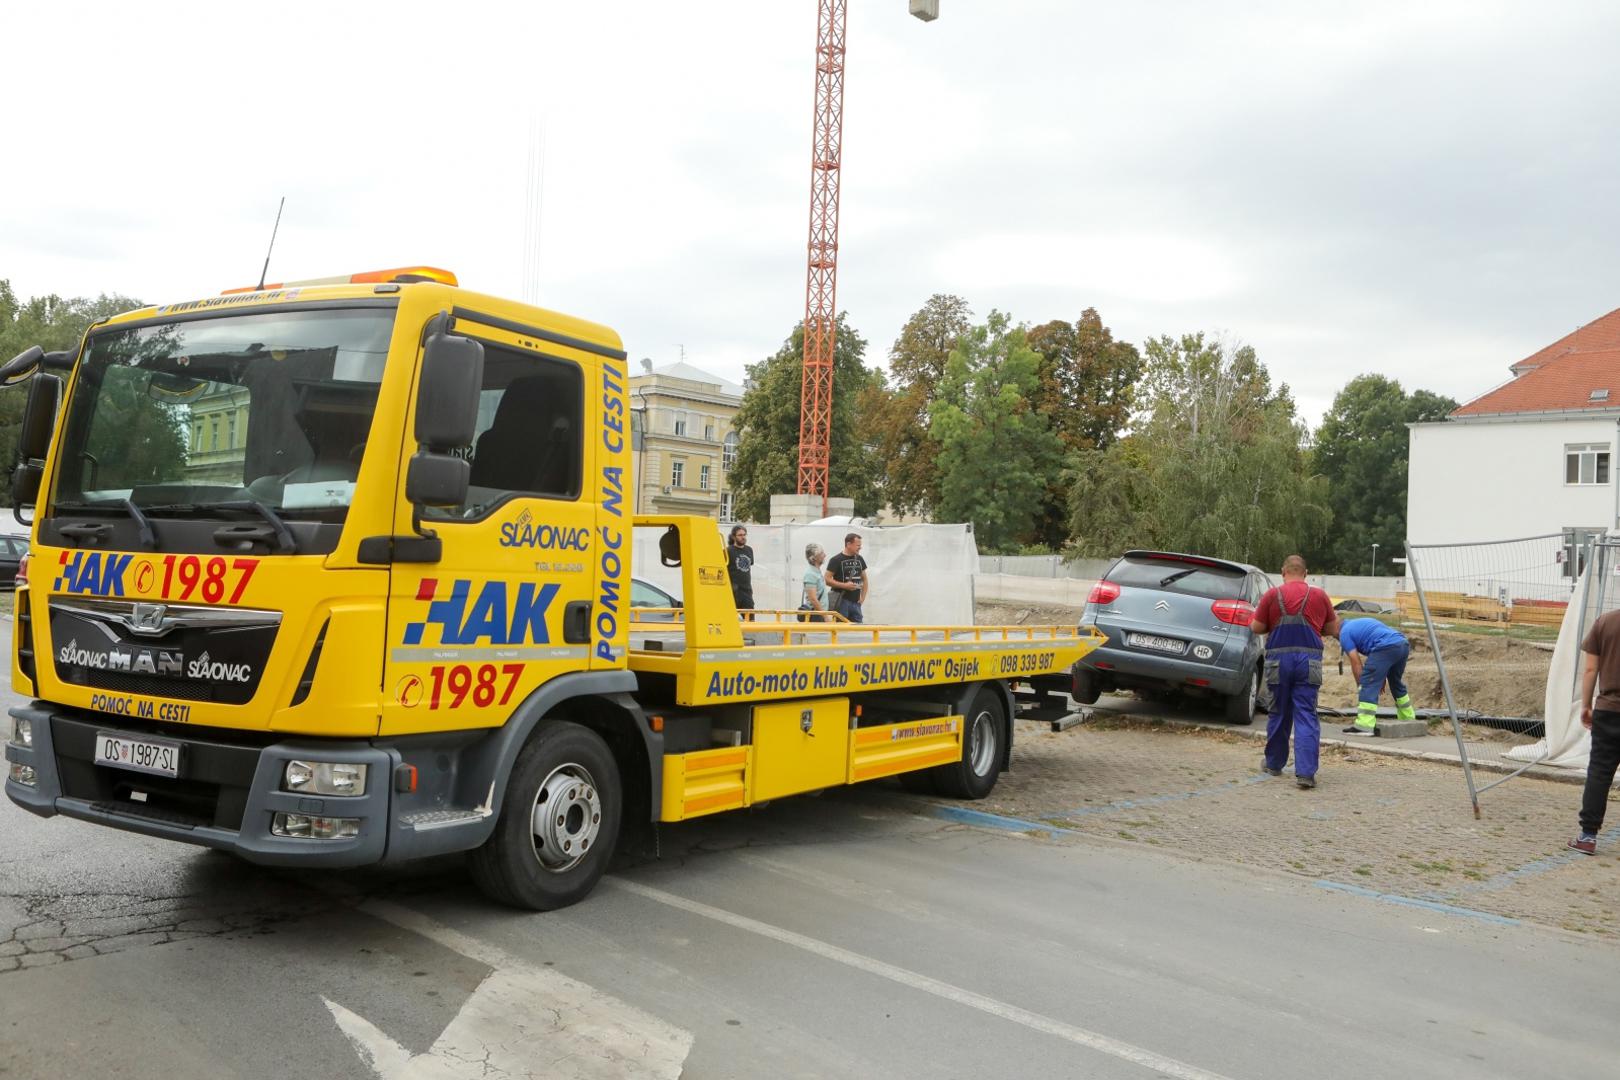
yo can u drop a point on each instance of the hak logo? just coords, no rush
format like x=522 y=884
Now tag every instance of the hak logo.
x=489 y=617
x=95 y=572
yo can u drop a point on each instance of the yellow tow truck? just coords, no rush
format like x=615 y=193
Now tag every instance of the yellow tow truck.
x=335 y=573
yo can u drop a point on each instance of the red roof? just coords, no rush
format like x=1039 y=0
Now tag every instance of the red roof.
x=1558 y=383
x=1597 y=335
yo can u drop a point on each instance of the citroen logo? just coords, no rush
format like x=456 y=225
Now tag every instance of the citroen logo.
x=1162 y=605
x=147 y=618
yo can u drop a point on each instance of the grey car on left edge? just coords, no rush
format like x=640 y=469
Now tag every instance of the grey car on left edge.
x=1177 y=625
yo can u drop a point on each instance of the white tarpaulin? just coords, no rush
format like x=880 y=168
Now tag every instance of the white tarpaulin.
x=1567 y=743
x=919 y=574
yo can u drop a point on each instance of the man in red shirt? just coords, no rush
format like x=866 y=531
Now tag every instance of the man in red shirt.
x=1294 y=616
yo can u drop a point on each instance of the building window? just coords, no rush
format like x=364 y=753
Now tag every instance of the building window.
x=725 y=507
x=676 y=470
x=728 y=456
x=213 y=434
x=708 y=433
x=231 y=435
x=680 y=423
x=703 y=478
x=1586 y=463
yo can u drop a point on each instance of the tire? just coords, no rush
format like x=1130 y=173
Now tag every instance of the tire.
x=984 y=729
x=1087 y=687
x=570 y=770
x=1241 y=705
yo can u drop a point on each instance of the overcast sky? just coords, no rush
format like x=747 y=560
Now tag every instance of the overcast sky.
x=1429 y=190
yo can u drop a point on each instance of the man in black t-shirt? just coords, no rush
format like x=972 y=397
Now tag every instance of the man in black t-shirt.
x=740 y=568
x=846 y=577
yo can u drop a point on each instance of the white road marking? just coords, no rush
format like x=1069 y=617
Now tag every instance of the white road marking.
x=521 y=1021
x=1035 y=1021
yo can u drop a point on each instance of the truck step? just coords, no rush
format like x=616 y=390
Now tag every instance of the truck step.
x=439 y=819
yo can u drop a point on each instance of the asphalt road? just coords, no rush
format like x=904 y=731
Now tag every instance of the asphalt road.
x=856 y=934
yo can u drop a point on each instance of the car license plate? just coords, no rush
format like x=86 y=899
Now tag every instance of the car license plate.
x=141 y=755
x=1156 y=643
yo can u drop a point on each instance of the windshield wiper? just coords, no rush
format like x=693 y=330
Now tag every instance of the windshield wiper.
x=1177 y=576
x=285 y=542
x=148 y=535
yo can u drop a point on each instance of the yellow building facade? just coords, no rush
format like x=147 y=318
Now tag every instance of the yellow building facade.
x=685 y=443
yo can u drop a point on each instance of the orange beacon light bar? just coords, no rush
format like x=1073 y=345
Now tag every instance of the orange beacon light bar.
x=397 y=274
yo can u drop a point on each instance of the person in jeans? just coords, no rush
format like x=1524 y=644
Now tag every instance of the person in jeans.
x=1377 y=654
x=846 y=575
x=1295 y=615
x=1602 y=718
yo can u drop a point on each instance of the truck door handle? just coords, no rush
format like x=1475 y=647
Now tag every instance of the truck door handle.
x=81 y=534
x=577 y=622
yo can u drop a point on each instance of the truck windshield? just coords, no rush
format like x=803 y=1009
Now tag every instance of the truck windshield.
x=272 y=408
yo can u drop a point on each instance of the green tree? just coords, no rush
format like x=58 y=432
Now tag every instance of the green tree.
x=1361 y=452
x=1086 y=390
x=997 y=454
x=51 y=323
x=899 y=421
x=768 y=420
x=1216 y=464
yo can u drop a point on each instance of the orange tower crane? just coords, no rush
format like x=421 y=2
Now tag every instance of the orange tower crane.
x=821 y=277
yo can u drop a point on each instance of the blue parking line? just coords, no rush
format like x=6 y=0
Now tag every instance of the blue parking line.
x=1531 y=869
x=1407 y=901
x=964 y=816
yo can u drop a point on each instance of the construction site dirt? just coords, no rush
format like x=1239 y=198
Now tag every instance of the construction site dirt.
x=1490 y=675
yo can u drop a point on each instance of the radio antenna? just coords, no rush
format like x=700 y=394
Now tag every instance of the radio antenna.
x=274 y=229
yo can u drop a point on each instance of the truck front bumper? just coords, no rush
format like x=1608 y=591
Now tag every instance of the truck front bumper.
x=230 y=789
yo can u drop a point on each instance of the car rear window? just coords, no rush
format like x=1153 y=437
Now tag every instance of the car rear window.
x=1174 y=575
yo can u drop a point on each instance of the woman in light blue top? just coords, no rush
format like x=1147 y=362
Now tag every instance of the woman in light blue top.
x=814 y=593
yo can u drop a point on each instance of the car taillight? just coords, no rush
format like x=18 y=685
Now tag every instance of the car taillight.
x=1235 y=612
x=1104 y=592
x=22 y=569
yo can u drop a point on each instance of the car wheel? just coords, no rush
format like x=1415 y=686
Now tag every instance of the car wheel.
x=1240 y=706
x=1087 y=687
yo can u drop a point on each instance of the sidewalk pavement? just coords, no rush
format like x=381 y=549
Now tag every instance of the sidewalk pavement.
x=1390 y=823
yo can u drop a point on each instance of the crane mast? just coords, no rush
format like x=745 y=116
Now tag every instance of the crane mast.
x=821 y=275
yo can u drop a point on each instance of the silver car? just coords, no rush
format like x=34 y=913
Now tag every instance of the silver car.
x=1176 y=624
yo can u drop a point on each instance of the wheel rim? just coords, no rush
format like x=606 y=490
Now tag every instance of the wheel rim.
x=982 y=743
x=566 y=817
x=1254 y=692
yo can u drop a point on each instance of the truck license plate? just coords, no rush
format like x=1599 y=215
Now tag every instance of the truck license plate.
x=141 y=755
x=1158 y=644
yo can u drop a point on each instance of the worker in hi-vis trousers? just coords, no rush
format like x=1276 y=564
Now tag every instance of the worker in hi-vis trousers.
x=1377 y=655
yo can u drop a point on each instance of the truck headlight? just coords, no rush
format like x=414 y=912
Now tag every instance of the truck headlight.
x=315 y=827
x=22 y=731
x=325 y=778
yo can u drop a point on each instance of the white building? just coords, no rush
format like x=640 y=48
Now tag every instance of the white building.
x=1533 y=456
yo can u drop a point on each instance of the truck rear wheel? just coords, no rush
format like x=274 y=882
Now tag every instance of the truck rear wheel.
x=984 y=729
x=559 y=822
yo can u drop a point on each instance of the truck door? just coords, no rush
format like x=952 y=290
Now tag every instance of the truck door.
x=507 y=606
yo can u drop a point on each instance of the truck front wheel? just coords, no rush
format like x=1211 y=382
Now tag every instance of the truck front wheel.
x=984 y=728
x=559 y=822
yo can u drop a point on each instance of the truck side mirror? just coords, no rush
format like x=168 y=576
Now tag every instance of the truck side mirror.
x=437 y=479
x=447 y=399
x=38 y=425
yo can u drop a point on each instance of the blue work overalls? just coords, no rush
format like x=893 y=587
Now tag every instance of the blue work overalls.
x=1294 y=674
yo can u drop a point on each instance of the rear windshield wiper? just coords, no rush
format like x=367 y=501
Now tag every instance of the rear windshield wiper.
x=1178 y=575
x=148 y=535
x=285 y=542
